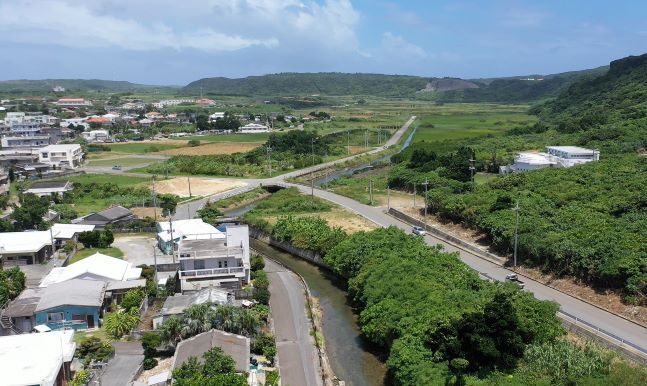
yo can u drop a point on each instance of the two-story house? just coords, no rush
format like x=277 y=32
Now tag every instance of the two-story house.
x=69 y=156
x=215 y=261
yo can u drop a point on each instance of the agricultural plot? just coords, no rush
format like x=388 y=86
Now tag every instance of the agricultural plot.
x=214 y=148
x=199 y=186
x=122 y=161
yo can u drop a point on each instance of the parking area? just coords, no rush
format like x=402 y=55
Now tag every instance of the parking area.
x=138 y=248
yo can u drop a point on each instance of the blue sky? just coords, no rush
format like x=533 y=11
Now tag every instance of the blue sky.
x=175 y=42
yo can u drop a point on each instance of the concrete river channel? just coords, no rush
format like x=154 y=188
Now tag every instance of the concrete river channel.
x=347 y=351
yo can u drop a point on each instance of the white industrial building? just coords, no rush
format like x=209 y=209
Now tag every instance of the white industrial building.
x=553 y=157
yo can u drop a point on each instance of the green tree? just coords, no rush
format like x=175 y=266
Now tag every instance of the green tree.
x=12 y=283
x=150 y=342
x=29 y=215
x=90 y=239
x=120 y=323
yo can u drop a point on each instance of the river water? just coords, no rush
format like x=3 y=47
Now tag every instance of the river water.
x=349 y=357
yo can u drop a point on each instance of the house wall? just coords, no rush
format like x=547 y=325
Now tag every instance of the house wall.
x=68 y=313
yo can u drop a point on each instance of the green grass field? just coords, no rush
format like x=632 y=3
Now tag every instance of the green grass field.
x=108 y=179
x=458 y=126
x=142 y=147
x=123 y=161
x=85 y=252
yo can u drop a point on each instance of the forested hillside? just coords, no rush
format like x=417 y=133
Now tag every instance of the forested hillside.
x=589 y=221
x=311 y=83
x=519 y=89
x=70 y=85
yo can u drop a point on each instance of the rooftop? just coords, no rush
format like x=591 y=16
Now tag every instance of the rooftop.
x=178 y=303
x=193 y=228
x=77 y=292
x=235 y=346
x=98 y=266
x=67 y=231
x=28 y=241
x=35 y=359
x=63 y=147
x=48 y=185
x=571 y=149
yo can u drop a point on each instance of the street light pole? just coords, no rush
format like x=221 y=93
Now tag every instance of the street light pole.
x=388 y=197
x=426 y=184
x=516 y=233
x=414 y=195
x=189 y=182
x=472 y=169
x=269 y=159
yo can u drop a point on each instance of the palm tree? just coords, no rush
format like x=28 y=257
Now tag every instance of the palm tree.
x=171 y=330
x=118 y=324
x=197 y=319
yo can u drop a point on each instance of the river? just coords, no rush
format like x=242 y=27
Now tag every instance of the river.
x=347 y=351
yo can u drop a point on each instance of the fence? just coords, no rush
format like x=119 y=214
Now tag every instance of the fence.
x=446 y=236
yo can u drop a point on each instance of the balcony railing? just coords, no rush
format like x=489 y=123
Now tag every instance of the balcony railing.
x=193 y=273
x=217 y=253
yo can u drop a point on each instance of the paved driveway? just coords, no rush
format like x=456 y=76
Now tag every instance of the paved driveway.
x=138 y=248
x=123 y=368
x=298 y=358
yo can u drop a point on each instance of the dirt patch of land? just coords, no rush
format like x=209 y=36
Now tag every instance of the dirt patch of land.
x=347 y=221
x=163 y=365
x=214 y=148
x=148 y=212
x=607 y=299
x=358 y=149
x=199 y=186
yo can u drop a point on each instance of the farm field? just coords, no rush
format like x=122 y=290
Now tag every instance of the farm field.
x=116 y=179
x=199 y=186
x=253 y=137
x=145 y=146
x=122 y=161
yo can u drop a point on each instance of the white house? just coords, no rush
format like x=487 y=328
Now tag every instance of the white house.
x=254 y=128
x=73 y=102
x=22 y=248
x=37 y=359
x=96 y=135
x=216 y=115
x=69 y=155
x=184 y=229
x=217 y=261
x=48 y=188
x=96 y=267
x=75 y=122
x=554 y=157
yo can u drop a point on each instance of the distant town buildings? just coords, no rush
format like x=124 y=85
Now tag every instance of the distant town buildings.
x=73 y=102
x=554 y=157
x=58 y=89
x=254 y=128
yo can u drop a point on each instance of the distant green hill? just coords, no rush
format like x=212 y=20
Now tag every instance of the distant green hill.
x=71 y=85
x=519 y=89
x=310 y=84
x=620 y=95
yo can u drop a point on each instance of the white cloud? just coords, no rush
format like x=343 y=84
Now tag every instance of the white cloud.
x=523 y=18
x=205 y=25
x=397 y=45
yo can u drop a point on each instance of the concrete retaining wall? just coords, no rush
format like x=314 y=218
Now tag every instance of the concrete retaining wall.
x=305 y=254
x=446 y=236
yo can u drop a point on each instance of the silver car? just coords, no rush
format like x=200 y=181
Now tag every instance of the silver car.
x=420 y=231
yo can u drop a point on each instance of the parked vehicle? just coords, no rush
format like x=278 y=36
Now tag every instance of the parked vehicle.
x=514 y=278
x=116 y=167
x=420 y=231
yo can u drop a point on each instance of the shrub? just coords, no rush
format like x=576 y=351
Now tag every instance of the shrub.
x=81 y=378
x=132 y=300
x=193 y=143
x=265 y=345
x=118 y=324
x=261 y=288
x=149 y=363
x=258 y=263
x=94 y=349
x=271 y=378
x=150 y=342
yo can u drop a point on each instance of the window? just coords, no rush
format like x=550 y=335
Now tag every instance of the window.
x=219 y=264
x=55 y=317
x=198 y=264
x=44 y=155
x=79 y=317
x=225 y=263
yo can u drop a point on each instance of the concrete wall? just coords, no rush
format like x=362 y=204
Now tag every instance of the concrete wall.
x=287 y=247
x=446 y=236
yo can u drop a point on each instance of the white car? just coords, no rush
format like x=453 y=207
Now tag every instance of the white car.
x=418 y=231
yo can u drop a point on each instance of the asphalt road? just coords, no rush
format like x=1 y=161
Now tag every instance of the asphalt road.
x=621 y=328
x=298 y=359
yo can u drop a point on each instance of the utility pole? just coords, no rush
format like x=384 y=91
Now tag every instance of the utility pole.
x=516 y=233
x=370 y=190
x=366 y=139
x=155 y=262
x=188 y=179
x=472 y=169
x=414 y=195
x=170 y=222
x=426 y=184
x=388 y=197
x=312 y=170
x=269 y=159
x=154 y=200
x=348 y=147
